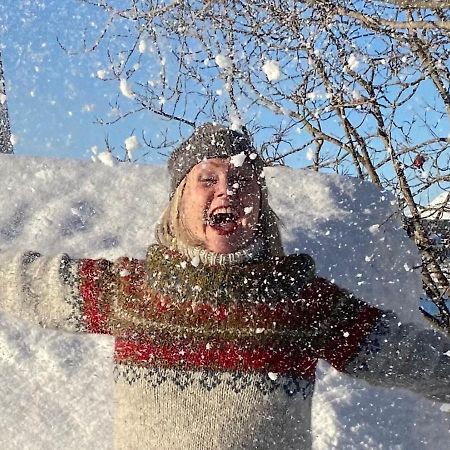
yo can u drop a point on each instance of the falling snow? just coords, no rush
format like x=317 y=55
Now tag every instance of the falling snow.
x=122 y=225
x=142 y=47
x=238 y=160
x=223 y=61
x=195 y=261
x=271 y=69
x=125 y=88
x=131 y=145
x=353 y=62
x=102 y=74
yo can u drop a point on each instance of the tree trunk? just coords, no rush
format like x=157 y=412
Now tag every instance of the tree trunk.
x=5 y=129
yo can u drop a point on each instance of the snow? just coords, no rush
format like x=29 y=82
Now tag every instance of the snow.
x=235 y=122
x=273 y=376
x=195 y=261
x=107 y=158
x=352 y=62
x=56 y=388
x=223 y=61
x=310 y=153
x=238 y=160
x=14 y=139
x=142 y=46
x=439 y=207
x=131 y=145
x=125 y=88
x=102 y=74
x=271 y=69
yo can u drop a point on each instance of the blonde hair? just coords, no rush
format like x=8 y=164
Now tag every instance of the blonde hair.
x=171 y=226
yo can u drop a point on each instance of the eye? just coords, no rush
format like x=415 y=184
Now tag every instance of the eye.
x=207 y=180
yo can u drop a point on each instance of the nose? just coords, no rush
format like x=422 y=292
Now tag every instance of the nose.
x=226 y=187
x=223 y=188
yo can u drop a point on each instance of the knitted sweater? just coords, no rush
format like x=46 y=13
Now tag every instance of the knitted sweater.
x=222 y=356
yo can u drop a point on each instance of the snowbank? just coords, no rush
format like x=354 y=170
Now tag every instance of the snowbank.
x=55 y=389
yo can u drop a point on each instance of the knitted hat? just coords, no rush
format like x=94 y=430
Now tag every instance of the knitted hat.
x=209 y=141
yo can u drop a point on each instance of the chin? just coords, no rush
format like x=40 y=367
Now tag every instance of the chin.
x=222 y=248
x=226 y=241
x=227 y=245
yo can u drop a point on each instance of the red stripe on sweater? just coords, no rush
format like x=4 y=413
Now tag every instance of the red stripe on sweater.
x=90 y=272
x=349 y=338
x=226 y=356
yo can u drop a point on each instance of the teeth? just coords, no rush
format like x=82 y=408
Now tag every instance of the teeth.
x=224 y=211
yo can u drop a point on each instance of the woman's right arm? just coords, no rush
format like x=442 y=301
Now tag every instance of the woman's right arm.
x=56 y=292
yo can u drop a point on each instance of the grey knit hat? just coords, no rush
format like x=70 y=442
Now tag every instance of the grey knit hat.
x=209 y=141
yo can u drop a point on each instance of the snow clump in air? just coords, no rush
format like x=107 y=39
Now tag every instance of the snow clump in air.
x=88 y=107
x=310 y=154
x=223 y=61
x=236 y=122
x=142 y=46
x=374 y=229
x=352 y=62
x=195 y=261
x=131 y=145
x=238 y=160
x=101 y=74
x=272 y=70
x=125 y=88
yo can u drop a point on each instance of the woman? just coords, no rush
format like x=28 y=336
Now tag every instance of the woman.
x=217 y=333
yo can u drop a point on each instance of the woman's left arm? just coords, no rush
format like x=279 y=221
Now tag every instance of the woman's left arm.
x=374 y=345
x=404 y=355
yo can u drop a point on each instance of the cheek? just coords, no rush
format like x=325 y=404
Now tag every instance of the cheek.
x=193 y=210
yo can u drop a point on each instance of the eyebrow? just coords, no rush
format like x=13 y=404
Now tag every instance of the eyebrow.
x=247 y=166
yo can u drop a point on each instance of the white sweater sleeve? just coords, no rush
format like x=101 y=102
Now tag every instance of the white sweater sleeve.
x=42 y=290
x=406 y=356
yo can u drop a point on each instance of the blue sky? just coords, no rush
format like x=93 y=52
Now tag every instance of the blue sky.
x=53 y=97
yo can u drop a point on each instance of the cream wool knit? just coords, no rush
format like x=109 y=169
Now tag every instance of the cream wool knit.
x=220 y=357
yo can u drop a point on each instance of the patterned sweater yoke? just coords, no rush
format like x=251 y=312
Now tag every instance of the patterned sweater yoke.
x=221 y=356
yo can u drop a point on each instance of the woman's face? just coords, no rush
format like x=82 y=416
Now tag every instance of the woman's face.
x=220 y=204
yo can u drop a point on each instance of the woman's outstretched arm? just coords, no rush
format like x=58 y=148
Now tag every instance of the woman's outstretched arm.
x=374 y=345
x=57 y=292
x=402 y=355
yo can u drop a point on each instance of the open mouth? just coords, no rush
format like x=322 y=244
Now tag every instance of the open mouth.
x=223 y=219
